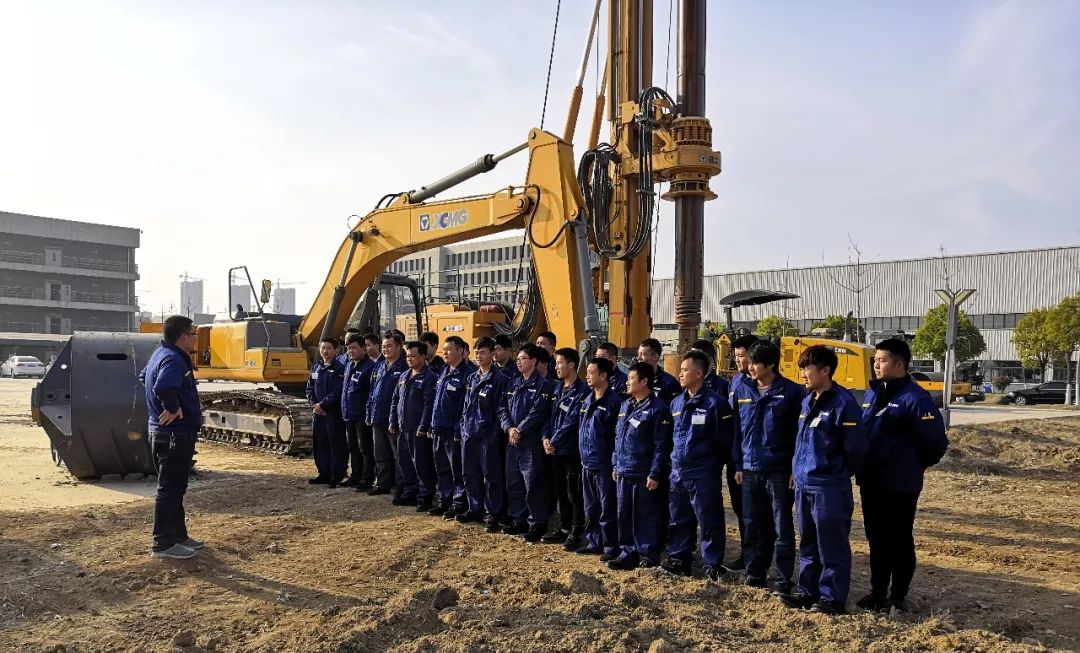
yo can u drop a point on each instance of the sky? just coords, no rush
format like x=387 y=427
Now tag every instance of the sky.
x=246 y=133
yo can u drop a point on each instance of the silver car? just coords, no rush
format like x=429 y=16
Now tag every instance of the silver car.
x=22 y=366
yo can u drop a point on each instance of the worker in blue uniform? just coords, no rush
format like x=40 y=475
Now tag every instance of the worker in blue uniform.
x=483 y=456
x=327 y=428
x=641 y=463
x=390 y=470
x=561 y=445
x=739 y=347
x=906 y=435
x=174 y=417
x=523 y=414
x=766 y=423
x=610 y=351
x=343 y=357
x=354 y=395
x=828 y=449
x=434 y=360
x=665 y=386
x=596 y=444
x=446 y=428
x=410 y=422
x=504 y=359
x=701 y=444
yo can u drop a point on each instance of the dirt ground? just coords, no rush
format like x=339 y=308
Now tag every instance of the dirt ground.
x=291 y=568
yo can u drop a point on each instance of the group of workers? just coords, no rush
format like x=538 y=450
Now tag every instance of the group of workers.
x=634 y=463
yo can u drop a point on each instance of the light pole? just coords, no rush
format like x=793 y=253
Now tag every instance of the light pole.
x=952 y=299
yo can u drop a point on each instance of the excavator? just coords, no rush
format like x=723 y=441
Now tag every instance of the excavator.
x=603 y=209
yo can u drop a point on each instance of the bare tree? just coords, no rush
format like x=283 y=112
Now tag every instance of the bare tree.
x=856 y=279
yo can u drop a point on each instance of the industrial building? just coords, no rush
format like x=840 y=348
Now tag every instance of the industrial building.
x=484 y=270
x=62 y=276
x=895 y=295
x=191 y=296
x=284 y=300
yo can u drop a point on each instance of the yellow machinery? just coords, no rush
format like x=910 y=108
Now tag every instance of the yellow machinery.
x=854 y=361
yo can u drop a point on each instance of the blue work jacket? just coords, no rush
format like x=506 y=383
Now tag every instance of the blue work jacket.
x=384 y=380
x=906 y=435
x=596 y=433
x=766 y=425
x=702 y=434
x=717 y=384
x=831 y=442
x=450 y=399
x=356 y=388
x=483 y=394
x=324 y=385
x=527 y=406
x=565 y=417
x=169 y=379
x=411 y=405
x=642 y=439
x=665 y=386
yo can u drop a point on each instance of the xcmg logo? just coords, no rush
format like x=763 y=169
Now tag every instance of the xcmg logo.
x=444 y=220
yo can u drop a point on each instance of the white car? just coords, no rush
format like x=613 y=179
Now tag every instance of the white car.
x=22 y=366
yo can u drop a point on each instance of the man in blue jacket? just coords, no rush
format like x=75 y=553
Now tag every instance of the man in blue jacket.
x=388 y=472
x=354 y=396
x=175 y=416
x=343 y=357
x=828 y=450
x=906 y=435
x=713 y=381
x=446 y=428
x=523 y=414
x=561 y=444
x=701 y=444
x=327 y=427
x=739 y=348
x=505 y=363
x=410 y=422
x=766 y=422
x=482 y=453
x=640 y=466
x=596 y=444
x=665 y=386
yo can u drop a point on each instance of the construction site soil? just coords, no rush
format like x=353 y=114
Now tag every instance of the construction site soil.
x=294 y=568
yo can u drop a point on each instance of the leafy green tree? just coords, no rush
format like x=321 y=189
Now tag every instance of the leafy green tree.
x=1065 y=321
x=838 y=322
x=930 y=337
x=774 y=326
x=1037 y=338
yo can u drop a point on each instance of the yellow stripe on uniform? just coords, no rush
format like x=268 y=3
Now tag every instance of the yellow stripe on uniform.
x=676 y=414
x=926 y=417
x=849 y=423
x=726 y=417
x=745 y=401
x=866 y=405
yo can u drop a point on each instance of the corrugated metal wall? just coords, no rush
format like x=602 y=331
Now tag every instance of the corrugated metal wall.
x=1006 y=282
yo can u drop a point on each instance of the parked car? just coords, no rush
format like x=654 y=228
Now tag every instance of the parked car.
x=22 y=366
x=1051 y=392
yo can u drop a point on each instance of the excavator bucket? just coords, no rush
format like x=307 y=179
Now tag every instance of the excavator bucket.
x=91 y=405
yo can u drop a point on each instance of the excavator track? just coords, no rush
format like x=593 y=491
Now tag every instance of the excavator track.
x=258 y=419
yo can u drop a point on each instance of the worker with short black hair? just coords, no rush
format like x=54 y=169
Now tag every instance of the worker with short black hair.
x=828 y=449
x=384 y=379
x=596 y=443
x=641 y=462
x=482 y=450
x=617 y=381
x=561 y=445
x=410 y=422
x=434 y=360
x=343 y=357
x=713 y=381
x=739 y=348
x=546 y=340
x=665 y=386
x=504 y=356
x=523 y=414
x=446 y=428
x=354 y=395
x=175 y=417
x=906 y=435
x=327 y=428
x=702 y=437
x=766 y=422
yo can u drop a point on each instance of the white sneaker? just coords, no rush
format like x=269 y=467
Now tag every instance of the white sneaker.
x=174 y=552
x=192 y=544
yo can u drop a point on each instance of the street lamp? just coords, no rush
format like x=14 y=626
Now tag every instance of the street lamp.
x=952 y=299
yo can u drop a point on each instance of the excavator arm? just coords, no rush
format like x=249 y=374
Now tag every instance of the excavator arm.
x=547 y=206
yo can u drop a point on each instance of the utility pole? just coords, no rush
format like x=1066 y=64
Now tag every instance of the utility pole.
x=952 y=299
